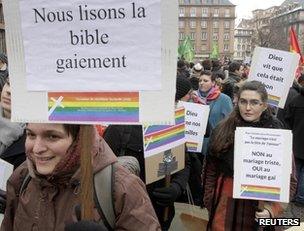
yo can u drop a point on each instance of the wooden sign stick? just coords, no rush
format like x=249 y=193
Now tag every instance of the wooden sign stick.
x=87 y=204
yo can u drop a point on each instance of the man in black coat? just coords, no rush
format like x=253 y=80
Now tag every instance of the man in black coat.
x=229 y=86
x=295 y=119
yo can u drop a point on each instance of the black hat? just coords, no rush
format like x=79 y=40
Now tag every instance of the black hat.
x=3 y=58
x=183 y=86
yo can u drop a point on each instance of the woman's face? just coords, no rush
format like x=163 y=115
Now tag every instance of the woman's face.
x=47 y=144
x=6 y=98
x=251 y=106
x=205 y=83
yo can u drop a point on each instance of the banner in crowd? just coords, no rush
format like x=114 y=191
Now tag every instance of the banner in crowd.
x=28 y=106
x=90 y=42
x=196 y=119
x=262 y=164
x=276 y=70
x=159 y=138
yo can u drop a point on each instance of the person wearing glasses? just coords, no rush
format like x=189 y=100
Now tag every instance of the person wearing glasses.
x=226 y=213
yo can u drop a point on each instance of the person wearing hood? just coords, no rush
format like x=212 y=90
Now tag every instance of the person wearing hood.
x=51 y=197
x=294 y=117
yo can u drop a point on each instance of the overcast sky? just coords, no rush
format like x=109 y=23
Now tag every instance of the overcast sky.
x=244 y=7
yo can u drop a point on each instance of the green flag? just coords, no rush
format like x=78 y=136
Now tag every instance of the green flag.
x=215 y=52
x=186 y=50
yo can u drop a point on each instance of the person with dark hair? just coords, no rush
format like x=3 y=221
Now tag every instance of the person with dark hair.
x=226 y=213
x=216 y=65
x=128 y=140
x=230 y=85
x=301 y=80
x=51 y=195
x=219 y=103
x=182 y=69
x=207 y=64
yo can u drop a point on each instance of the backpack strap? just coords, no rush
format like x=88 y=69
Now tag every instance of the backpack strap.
x=103 y=190
x=25 y=182
x=126 y=134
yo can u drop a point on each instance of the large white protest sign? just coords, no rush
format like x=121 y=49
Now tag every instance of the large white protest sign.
x=276 y=69
x=262 y=164
x=33 y=106
x=104 y=45
x=196 y=118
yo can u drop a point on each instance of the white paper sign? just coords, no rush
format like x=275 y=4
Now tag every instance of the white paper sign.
x=262 y=164
x=6 y=169
x=196 y=118
x=33 y=106
x=92 y=45
x=276 y=69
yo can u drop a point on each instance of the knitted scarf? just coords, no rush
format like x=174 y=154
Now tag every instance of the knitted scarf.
x=207 y=97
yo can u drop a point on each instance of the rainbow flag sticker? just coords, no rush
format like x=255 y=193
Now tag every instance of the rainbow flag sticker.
x=260 y=192
x=273 y=100
x=192 y=146
x=156 y=136
x=94 y=106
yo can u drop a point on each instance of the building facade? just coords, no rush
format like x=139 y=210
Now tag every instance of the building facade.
x=243 y=40
x=208 y=23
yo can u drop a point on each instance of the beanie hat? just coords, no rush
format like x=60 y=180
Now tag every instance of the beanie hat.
x=183 y=86
x=198 y=67
x=3 y=58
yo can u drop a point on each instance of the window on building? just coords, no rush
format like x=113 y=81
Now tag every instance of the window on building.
x=215 y=24
x=181 y=36
x=192 y=23
x=192 y=35
x=243 y=47
x=204 y=35
x=248 y=48
x=215 y=36
x=239 y=47
x=216 y=12
x=226 y=47
x=181 y=12
x=192 y=12
x=197 y=1
x=227 y=13
x=204 y=24
x=226 y=36
x=204 y=12
x=227 y=24
x=181 y=24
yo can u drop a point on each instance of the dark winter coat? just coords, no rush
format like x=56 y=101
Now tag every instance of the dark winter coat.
x=293 y=92
x=115 y=135
x=229 y=85
x=294 y=117
x=49 y=204
x=226 y=213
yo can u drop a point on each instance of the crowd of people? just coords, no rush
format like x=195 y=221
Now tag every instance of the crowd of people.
x=43 y=191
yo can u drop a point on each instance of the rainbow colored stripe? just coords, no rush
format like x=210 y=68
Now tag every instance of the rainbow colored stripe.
x=273 y=100
x=159 y=135
x=94 y=106
x=192 y=146
x=262 y=192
